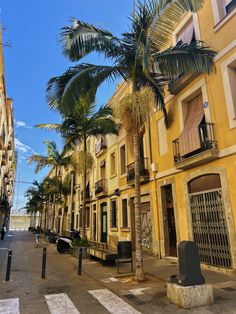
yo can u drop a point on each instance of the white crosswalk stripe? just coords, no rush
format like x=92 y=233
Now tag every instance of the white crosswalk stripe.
x=112 y=302
x=60 y=304
x=10 y=306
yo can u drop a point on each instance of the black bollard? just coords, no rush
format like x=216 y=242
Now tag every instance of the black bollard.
x=80 y=262
x=44 y=263
x=8 y=272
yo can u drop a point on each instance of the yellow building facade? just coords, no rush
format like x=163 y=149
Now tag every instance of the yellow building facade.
x=188 y=189
x=7 y=153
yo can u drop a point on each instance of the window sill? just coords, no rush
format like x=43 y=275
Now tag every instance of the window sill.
x=125 y=229
x=114 y=229
x=113 y=176
x=224 y=20
x=123 y=175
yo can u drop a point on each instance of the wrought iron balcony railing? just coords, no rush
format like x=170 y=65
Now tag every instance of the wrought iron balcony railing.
x=207 y=140
x=100 y=186
x=144 y=172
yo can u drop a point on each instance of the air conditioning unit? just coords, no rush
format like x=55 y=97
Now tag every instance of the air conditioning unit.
x=154 y=167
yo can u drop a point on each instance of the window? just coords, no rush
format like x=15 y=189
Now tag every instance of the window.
x=87 y=217
x=80 y=218
x=187 y=34
x=113 y=214
x=113 y=163
x=229 y=5
x=221 y=8
x=77 y=221
x=189 y=140
x=122 y=160
x=124 y=213
x=228 y=69
x=162 y=137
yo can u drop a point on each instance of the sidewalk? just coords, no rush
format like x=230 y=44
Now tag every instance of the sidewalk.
x=151 y=295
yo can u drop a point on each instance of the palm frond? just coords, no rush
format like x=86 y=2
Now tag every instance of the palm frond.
x=74 y=84
x=51 y=126
x=184 y=58
x=80 y=39
x=168 y=14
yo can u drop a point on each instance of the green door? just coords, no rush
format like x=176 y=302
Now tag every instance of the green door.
x=104 y=223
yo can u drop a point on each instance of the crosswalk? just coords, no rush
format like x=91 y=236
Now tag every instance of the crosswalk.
x=61 y=303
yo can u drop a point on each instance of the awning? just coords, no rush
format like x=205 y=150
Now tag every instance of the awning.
x=189 y=140
x=186 y=34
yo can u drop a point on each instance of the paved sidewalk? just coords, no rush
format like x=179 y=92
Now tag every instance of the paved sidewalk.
x=151 y=295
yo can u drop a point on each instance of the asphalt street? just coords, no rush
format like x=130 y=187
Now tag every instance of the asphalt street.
x=98 y=290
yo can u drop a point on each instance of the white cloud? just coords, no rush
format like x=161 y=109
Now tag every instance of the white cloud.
x=22 y=124
x=23 y=148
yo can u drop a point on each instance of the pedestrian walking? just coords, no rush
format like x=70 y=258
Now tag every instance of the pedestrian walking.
x=37 y=236
x=3 y=231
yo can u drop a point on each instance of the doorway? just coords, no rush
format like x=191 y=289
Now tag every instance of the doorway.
x=210 y=231
x=104 y=222
x=169 y=221
x=132 y=220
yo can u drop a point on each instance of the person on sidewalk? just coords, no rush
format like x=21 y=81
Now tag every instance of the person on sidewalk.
x=3 y=231
x=37 y=235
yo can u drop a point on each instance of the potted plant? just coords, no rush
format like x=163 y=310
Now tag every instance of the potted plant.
x=77 y=245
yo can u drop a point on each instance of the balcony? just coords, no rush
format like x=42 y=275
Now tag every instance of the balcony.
x=101 y=188
x=181 y=82
x=100 y=146
x=206 y=153
x=144 y=172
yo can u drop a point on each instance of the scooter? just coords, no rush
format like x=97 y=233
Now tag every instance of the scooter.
x=66 y=243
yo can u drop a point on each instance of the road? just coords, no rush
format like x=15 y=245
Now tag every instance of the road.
x=63 y=291
x=98 y=291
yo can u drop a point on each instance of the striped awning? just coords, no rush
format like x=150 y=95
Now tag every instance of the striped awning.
x=189 y=140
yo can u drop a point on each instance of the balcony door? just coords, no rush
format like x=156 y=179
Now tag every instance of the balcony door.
x=104 y=222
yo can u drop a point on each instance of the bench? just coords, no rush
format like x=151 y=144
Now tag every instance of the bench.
x=102 y=251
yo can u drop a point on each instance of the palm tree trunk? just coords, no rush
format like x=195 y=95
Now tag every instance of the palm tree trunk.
x=139 y=272
x=49 y=212
x=53 y=210
x=71 y=199
x=40 y=219
x=45 y=215
x=84 y=191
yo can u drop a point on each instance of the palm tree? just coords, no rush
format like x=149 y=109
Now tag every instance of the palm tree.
x=37 y=195
x=55 y=160
x=141 y=56
x=80 y=123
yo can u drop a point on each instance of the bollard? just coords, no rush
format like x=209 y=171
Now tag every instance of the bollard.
x=80 y=262
x=44 y=263
x=8 y=272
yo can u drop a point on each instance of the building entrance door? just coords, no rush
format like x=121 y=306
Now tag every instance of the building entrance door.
x=169 y=221
x=94 y=226
x=104 y=222
x=209 y=226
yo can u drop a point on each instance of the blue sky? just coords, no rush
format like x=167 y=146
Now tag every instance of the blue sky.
x=32 y=28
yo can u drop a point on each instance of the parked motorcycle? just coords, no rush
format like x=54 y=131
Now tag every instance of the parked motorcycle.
x=66 y=243
x=51 y=236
